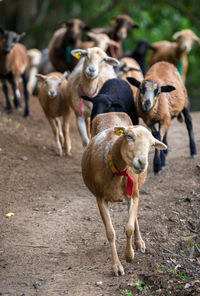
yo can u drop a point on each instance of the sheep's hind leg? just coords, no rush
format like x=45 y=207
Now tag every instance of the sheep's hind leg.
x=157 y=158
x=139 y=243
x=110 y=233
x=188 y=122
x=25 y=78
x=16 y=92
x=130 y=228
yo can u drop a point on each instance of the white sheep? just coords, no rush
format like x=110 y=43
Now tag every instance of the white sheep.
x=52 y=97
x=35 y=56
x=93 y=69
x=114 y=167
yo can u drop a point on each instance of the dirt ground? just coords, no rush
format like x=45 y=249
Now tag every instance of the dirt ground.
x=55 y=243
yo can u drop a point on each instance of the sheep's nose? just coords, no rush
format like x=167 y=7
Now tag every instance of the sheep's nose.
x=147 y=103
x=141 y=163
x=91 y=69
x=52 y=93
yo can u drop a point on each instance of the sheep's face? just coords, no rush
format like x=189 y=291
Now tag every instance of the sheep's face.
x=137 y=141
x=186 y=39
x=95 y=59
x=149 y=93
x=52 y=84
x=122 y=24
x=9 y=40
x=75 y=27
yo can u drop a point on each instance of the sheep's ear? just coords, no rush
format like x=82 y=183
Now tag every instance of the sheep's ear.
x=159 y=145
x=112 y=61
x=176 y=35
x=65 y=75
x=153 y=48
x=119 y=130
x=88 y=98
x=167 y=88
x=2 y=30
x=135 y=26
x=21 y=36
x=134 y=81
x=40 y=77
x=114 y=43
x=78 y=53
x=91 y=35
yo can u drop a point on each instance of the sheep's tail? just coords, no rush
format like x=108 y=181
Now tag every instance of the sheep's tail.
x=180 y=117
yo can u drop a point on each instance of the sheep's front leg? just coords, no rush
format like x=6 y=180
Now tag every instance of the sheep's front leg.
x=56 y=134
x=6 y=92
x=130 y=228
x=82 y=130
x=110 y=233
x=59 y=126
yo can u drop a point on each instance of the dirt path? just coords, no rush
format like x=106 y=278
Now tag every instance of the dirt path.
x=55 y=243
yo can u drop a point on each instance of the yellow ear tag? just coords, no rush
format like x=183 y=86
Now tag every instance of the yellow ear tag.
x=113 y=21
x=78 y=55
x=119 y=132
x=63 y=25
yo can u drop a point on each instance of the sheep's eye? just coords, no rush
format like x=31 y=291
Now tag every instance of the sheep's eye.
x=129 y=137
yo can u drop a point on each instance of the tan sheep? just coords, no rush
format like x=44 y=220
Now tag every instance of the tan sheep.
x=114 y=167
x=99 y=40
x=155 y=105
x=175 y=52
x=52 y=97
x=135 y=71
x=93 y=69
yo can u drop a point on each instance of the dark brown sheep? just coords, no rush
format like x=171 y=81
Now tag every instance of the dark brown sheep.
x=63 y=41
x=14 y=63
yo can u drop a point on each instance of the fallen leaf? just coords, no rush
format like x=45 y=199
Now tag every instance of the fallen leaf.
x=10 y=214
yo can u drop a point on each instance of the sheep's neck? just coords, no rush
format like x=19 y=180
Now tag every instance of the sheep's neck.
x=179 y=51
x=89 y=86
x=117 y=160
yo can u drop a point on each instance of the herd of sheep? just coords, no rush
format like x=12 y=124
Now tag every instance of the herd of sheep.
x=109 y=91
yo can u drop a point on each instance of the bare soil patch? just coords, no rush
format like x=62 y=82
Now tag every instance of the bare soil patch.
x=55 y=243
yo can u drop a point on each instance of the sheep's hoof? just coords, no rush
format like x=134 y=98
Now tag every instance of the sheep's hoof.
x=26 y=115
x=140 y=245
x=8 y=110
x=163 y=168
x=118 y=269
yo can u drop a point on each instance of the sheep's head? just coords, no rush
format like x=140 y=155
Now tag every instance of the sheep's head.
x=186 y=39
x=149 y=91
x=10 y=38
x=52 y=83
x=102 y=40
x=74 y=27
x=136 y=144
x=122 y=24
x=94 y=59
